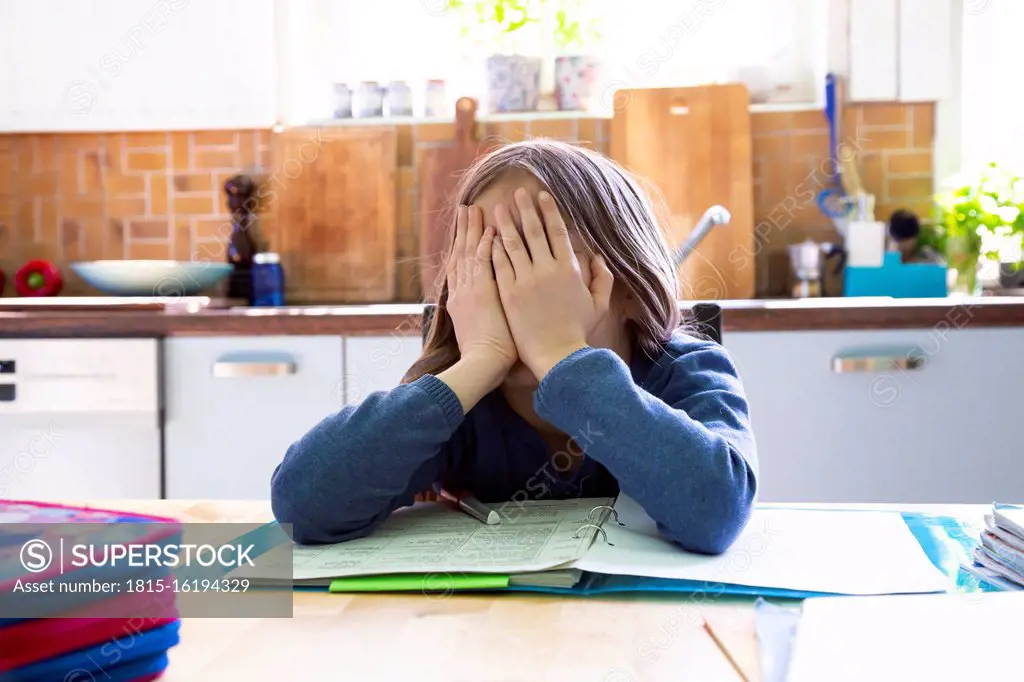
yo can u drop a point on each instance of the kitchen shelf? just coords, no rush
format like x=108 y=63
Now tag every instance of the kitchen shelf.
x=526 y=116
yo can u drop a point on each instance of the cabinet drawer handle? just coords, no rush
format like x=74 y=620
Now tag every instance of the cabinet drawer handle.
x=875 y=363
x=232 y=370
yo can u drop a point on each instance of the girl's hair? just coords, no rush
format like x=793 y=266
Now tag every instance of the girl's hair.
x=614 y=218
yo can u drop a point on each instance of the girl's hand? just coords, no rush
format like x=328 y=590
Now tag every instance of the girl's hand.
x=550 y=309
x=473 y=303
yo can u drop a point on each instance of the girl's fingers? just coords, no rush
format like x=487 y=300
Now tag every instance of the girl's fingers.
x=484 y=249
x=475 y=218
x=504 y=273
x=557 y=232
x=512 y=245
x=459 y=245
x=601 y=282
x=533 y=227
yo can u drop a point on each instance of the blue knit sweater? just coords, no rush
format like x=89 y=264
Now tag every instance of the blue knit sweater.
x=673 y=433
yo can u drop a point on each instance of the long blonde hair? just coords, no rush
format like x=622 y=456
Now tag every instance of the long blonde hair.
x=614 y=217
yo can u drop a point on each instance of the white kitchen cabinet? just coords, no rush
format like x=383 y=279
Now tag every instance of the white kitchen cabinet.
x=377 y=363
x=235 y=404
x=79 y=419
x=124 y=65
x=874 y=50
x=926 y=49
x=946 y=432
x=900 y=50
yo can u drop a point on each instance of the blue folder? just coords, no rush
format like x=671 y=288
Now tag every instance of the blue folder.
x=948 y=542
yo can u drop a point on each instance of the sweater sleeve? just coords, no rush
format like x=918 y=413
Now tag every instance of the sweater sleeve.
x=686 y=455
x=345 y=476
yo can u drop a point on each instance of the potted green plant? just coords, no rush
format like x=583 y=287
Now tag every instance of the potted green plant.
x=505 y=28
x=982 y=214
x=578 y=73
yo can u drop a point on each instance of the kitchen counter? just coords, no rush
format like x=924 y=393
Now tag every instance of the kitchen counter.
x=404 y=319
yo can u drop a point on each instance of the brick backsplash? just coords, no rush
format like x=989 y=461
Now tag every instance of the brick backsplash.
x=111 y=196
x=159 y=195
x=893 y=146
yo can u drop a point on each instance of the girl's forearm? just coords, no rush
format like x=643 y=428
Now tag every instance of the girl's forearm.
x=473 y=377
x=356 y=466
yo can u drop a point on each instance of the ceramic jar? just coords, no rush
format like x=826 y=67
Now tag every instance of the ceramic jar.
x=368 y=101
x=399 y=99
x=577 y=82
x=513 y=83
x=435 y=101
x=342 y=101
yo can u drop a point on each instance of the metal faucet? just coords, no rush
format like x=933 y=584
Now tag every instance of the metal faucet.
x=716 y=215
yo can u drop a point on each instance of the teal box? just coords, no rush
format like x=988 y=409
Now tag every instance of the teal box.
x=896 y=279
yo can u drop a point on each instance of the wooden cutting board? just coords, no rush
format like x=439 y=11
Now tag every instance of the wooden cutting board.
x=440 y=170
x=694 y=145
x=332 y=194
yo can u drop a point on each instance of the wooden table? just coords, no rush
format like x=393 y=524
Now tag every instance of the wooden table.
x=478 y=638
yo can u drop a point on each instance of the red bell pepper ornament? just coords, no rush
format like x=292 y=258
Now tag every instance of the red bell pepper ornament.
x=38 y=278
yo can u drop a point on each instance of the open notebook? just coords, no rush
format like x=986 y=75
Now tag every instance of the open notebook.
x=535 y=545
x=559 y=543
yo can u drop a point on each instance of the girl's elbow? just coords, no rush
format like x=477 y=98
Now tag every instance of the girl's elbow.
x=717 y=522
x=717 y=534
x=304 y=522
x=289 y=511
x=731 y=513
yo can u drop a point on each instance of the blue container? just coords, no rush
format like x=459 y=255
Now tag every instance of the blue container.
x=896 y=279
x=267 y=280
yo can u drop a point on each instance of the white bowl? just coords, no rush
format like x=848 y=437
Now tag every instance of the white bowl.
x=161 y=278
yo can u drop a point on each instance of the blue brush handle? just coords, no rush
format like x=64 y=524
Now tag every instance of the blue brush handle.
x=830 y=116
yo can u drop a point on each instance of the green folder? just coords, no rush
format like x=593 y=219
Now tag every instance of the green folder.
x=420 y=582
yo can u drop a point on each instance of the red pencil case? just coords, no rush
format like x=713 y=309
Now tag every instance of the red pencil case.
x=40 y=514
x=31 y=641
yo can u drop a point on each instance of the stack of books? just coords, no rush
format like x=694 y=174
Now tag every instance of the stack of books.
x=57 y=624
x=999 y=556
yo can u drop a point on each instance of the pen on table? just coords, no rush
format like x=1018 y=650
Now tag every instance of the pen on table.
x=725 y=651
x=474 y=507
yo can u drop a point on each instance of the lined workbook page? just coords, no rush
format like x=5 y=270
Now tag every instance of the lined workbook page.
x=838 y=552
x=429 y=538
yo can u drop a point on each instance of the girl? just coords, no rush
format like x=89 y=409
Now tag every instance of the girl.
x=554 y=368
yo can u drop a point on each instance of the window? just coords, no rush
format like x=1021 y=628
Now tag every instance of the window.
x=777 y=47
x=992 y=127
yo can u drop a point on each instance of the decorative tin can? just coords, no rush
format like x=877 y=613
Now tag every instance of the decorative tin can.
x=577 y=81
x=513 y=83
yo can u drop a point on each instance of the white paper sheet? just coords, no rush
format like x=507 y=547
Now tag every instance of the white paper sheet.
x=930 y=637
x=838 y=552
x=434 y=538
